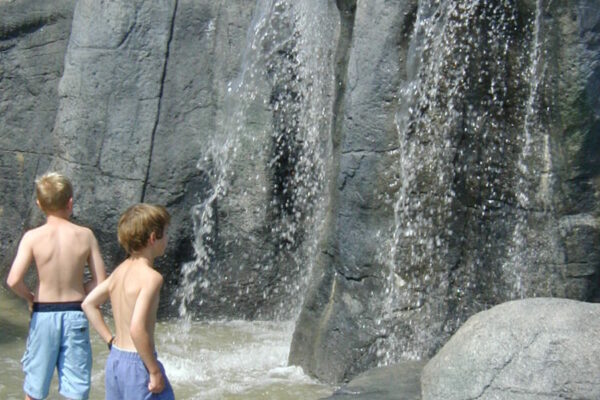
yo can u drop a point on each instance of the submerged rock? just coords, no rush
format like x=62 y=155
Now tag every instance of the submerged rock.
x=394 y=382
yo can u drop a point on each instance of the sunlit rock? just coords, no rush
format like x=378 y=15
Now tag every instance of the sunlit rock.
x=525 y=349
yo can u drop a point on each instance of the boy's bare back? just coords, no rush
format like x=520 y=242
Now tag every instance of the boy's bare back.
x=60 y=250
x=134 y=295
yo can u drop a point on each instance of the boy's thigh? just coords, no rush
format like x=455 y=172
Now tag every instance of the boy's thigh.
x=41 y=353
x=75 y=359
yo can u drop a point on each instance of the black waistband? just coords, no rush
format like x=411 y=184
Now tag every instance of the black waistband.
x=62 y=306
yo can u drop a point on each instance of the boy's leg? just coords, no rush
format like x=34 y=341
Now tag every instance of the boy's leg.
x=41 y=354
x=75 y=358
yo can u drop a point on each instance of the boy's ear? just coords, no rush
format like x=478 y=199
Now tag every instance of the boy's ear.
x=70 y=203
x=37 y=202
x=152 y=238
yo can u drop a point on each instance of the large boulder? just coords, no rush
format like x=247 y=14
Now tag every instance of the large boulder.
x=529 y=349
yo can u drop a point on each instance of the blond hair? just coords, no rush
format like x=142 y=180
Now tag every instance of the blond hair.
x=138 y=222
x=53 y=191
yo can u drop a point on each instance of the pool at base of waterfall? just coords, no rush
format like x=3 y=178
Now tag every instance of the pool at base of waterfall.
x=203 y=360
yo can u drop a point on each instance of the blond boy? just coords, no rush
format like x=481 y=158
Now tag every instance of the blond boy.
x=58 y=331
x=132 y=369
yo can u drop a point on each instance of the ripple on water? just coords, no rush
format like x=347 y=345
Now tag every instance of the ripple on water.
x=234 y=359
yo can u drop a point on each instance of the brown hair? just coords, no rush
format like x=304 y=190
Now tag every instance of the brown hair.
x=138 y=222
x=53 y=191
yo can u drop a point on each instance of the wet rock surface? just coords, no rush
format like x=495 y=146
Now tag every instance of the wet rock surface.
x=395 y=382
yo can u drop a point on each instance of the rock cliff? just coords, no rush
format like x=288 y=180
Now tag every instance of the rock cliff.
x=379 y=170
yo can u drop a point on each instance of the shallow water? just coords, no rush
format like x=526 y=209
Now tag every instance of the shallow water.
x=203 y=360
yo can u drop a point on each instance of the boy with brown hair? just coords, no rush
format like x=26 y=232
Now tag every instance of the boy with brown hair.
x=132 y=369
x=58 y=331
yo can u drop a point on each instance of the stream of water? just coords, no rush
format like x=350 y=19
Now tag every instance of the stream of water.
x=203 y=360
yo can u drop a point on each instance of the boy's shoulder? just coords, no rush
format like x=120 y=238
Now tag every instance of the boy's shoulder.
x=138 y=271
x=64 y=224
x=150 y=279
x=34 y=235
x=150 y=275
x=82 y=232
x=77 y=227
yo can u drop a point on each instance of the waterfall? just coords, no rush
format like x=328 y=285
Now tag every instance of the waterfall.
x=462 y=232
x=256 y=230
x=534 y=193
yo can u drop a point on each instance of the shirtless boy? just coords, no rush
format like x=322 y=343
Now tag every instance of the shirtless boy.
x=58 y=331
x=132 y=368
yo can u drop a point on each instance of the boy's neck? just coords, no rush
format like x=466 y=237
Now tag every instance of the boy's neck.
x=58 y=216
x=144 y=255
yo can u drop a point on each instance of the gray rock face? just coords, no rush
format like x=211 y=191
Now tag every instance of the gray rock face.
x=389 y=167
x=196 y=105
x=110 y=97
x=528 y=349
x=33 y=41
x=464 y=177
x=344 y=301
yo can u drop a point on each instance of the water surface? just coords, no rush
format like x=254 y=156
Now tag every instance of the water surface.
x=204 y=360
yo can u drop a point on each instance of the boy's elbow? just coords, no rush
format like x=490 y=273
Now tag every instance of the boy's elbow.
x=12 y=282
x=87 y=306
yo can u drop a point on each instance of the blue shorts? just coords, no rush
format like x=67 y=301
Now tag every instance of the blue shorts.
x=58 y=338
x=126 y=377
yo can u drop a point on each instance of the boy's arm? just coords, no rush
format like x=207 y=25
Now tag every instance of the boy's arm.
x=95 y=264
x=20 y=265
x=140 y=335
x=91 y=307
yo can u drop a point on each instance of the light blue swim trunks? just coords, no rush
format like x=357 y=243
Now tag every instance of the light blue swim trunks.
x=126 y=377
x=58 y=338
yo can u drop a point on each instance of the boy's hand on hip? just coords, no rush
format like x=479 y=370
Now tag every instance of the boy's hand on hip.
x=157 y=382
